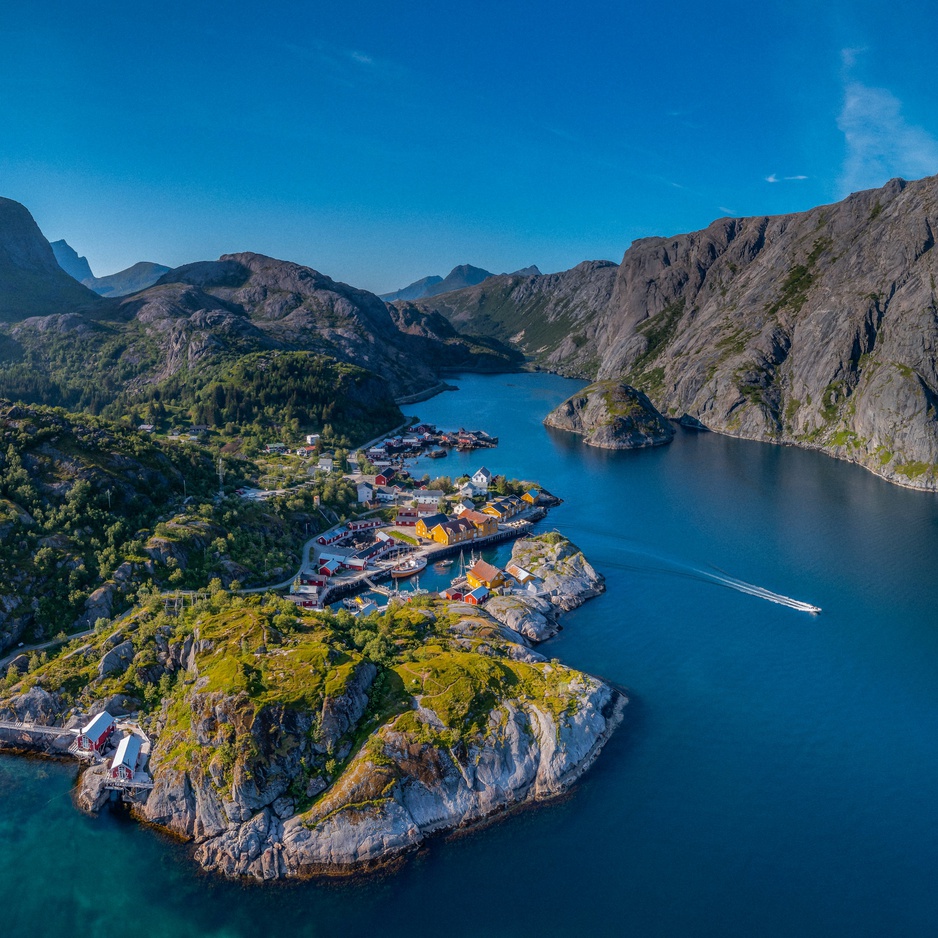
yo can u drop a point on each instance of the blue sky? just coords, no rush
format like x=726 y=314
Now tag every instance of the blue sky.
x=382 y=142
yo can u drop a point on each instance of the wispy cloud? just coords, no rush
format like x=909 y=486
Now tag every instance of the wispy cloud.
x=880 y=142
x=794 y=178
x=772 y=178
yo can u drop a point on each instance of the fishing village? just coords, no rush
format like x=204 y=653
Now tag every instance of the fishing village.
x=361 y=565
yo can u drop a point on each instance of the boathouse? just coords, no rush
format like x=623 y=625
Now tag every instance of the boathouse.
x=453 y=531
x=477 y=596
x=96 y=732
x=484 y=524
x=124 y=763
x=484 y=574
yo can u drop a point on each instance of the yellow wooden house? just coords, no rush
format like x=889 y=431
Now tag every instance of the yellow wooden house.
x=484 y=574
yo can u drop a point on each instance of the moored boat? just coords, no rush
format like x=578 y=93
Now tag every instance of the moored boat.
x=409 y=567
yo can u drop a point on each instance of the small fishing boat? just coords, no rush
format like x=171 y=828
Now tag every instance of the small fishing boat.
x=409 y=567
x=443 y=564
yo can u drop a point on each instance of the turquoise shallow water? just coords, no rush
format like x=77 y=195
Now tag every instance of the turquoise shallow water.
x=776 y=773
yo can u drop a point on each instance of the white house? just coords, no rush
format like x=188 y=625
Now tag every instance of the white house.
x=325 y=464
x=366 y=492
x=312 y=439
x=482 y=478
x=471 y=490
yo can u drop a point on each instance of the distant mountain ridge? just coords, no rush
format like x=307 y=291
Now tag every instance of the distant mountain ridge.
x=138 y=277
x=201 y=323
x=70 y=262
x=465 y=275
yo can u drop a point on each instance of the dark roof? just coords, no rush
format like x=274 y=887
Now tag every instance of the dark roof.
x=431 y=521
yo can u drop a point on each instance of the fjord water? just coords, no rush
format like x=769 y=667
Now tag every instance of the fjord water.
x=776 y=773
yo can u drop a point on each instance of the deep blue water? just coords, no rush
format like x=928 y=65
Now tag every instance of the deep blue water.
x=776 y=774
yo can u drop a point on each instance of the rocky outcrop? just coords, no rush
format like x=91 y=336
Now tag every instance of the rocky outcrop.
x=399 y=790
x=612 y=415
x=567 y=577
x=818 y=329
x=531 y=616
x=117 y=660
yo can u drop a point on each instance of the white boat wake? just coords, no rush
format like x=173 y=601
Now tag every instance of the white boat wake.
x=715 y=576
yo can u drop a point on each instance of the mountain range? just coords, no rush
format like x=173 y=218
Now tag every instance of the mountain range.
x=137 y=277
x=200 y=334
x=818 y=328
x=465 y=275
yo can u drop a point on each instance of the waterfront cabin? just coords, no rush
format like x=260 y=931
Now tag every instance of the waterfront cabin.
x=484 y=574
x=425 y=525
x=531 y=496
x=453 y=531
x=96 y=733
x=481 y=478
x=497 y=509
x=484 y=524
x=478 y=596
x=124 y=763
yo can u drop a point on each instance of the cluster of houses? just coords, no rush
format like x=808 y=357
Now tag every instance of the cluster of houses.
x=425 y=437
x=96 y=734
x=483 y=579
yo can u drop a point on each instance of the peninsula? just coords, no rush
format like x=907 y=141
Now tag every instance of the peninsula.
x=288 y=744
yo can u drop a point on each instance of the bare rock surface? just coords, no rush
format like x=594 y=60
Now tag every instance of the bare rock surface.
x=612 y=415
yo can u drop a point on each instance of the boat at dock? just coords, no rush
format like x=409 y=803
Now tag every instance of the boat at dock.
x=409 y=567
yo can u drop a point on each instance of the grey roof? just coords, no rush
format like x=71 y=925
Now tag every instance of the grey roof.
x=127 y=751
x=97 y=725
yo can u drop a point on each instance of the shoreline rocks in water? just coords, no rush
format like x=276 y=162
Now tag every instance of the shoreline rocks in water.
x=286 y=747
x=612 y=415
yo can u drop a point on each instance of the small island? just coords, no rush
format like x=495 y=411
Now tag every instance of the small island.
x=285 y=743
x=612 y=415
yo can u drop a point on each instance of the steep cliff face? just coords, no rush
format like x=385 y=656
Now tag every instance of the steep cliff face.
x=818 y=328
x=612 y=415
